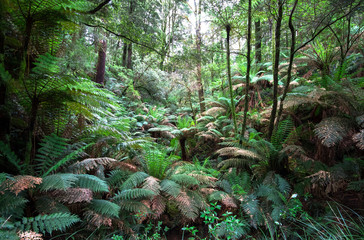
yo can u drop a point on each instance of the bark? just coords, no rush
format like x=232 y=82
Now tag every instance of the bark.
x=198 y=46
x=291 y=57
x=275 y=67
x=247 y=80
x=258 y=42
x=228 y=28
x=182 y=143
x=30 y=146
x=100 y=68
x=125 y=51
x=129 y=63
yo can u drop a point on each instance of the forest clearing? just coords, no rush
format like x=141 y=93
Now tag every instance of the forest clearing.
x=181 y=119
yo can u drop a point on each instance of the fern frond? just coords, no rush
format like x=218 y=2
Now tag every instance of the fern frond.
x=332 y=130
x=137 y=193
x=21 y=182
x=134 y=180
x=184 y=180
x=224 y=185
x=170 y=187
x=251 y=207
x=10 y=204
x=281 y=133
x=105 y=207
x=60 y=181
x=97 y=220
x=217 y=196
x=187 y=206
x=117 y=177
x=152 y=184
x=358 y=138
x=73 y=195
x=66 y=159
x=133 y=206
x=238 y=152
x=215 y=111
x=91 y=182
x=29 y=235
x=47 y=205
x=48 y=223
x=158 y=206
x=6 y=151
x=357 y=186
x=234 y=162
x=90 y=164
x=282 y=184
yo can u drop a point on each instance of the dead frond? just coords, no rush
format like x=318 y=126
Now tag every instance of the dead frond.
x=90 y=164
x=21 y=182
x=30 y=235
x=73 y=195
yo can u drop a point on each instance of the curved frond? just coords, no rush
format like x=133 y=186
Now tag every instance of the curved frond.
x=91 y=182
x=90 y=164
x=332 y=130
x=187 y=206
x=170 y=187
x=184 y=180
x=137 y=193
x=158 y=206
x=359 y=139
x=105 y=207
x=60 y=181
x=134 y=180
x=152 y=184
x=73 y=195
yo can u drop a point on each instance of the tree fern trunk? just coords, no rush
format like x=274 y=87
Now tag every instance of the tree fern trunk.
x=277 y=46
x=182 y=143
x=100 y=68
x=258 y=43
x=228 y=28
x=247 y=80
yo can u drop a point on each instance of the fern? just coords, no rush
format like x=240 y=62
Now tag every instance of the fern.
x=90 y=164
x=134 y=180
x=10 y=204
x=48 y=223
x=170 y=187
x=105 y=207
x=91 y=182
x=60 y=181
x=137 y=193
x=358 y=138
x=157 y=163
x=332 y=130
x=11 y=157
x=282 y=184
x=357 y=186
x=117 y=177
x=133 y=206
x=282 y=132
x=184 y=180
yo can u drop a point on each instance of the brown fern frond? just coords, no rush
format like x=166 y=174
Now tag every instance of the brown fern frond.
x=234 y=162
x=332 y=130
x=158 y=206
x=207 y=191
x=73 y=195
x=97 y=220
x=203 y=178
x=358 y=138
x=215 y=111
x=21 y=182
x=238 y=152
x=30 y=235
x=186 y=205
x=228 y=201
x=324 y=182
x=152 y=183
x=90 y=164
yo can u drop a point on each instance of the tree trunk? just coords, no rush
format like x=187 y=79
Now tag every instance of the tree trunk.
x=247 y=77
x=100 y=68
x=198 y=46
x=30 y=145
x=277 y=46
x=129 y=63
x=291 y=57
x=228 y=28
x=182 y=143
x=258 y=43
x=125 y=52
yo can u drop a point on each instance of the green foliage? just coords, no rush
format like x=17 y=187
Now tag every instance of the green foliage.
x=6 y=151
x=48 y=223
x=137 y=193
x=105 y=207
x=60 y=181
x=91 y=182
x=281 y=133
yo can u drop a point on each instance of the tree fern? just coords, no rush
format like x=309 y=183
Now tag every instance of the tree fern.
x=133 y=206
x=184 y=180
x=91 y=182
x=11 y=204
x=157 y=163
x=90 y=164
x=105 y=207
x=281 y=133
x=170 y=187
x=48 y=223
x=117 y=177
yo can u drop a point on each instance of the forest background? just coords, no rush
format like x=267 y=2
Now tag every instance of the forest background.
x=174 y=119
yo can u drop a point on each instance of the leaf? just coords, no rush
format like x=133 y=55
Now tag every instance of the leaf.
x=105 y=207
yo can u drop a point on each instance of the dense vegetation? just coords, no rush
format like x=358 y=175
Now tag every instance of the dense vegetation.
x=175 y=119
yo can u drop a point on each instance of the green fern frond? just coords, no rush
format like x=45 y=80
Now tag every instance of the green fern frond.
x=11 y=204
x=73 y=155
x=282 y=184
x=357 y=186
x=91 y=182
x=235 y=163
x=332 y=130
x=48 y=205
x=170 y=187
x=48 y=223
x=224 y=185
x=105 y=207
x=134 y=180
x=217 y=196
x=137 y=193
x=282 y=132
x=6 y=151
x=134 y=206
x=90 y=164
x=251 y=207
x=60 y=181
x=184 y=180
x=157 y=163
x=117 y=177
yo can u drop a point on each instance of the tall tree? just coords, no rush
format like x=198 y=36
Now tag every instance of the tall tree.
x=101 y=61
x=201 y=97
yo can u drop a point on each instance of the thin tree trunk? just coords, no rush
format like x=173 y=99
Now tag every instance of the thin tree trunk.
x=198 y=46
x=100 y=68
x=182 y=143
x=258 y=42
x=247 y=80
x=291 y=57
x=228 y=28
x=129 y=63
x=125 y=51
x=275 y=67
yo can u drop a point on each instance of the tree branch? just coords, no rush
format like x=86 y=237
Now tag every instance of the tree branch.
x=96 y=9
